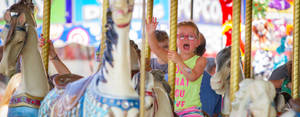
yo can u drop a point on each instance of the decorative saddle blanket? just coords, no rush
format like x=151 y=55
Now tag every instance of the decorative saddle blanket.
x=71 y=95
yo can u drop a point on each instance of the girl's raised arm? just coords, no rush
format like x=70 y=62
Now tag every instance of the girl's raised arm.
x=153 y=43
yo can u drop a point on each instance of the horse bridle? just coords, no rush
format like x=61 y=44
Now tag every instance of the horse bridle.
x=150 y=93
x=18 y=28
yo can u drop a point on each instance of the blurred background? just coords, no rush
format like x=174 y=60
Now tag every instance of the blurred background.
x=76 y=29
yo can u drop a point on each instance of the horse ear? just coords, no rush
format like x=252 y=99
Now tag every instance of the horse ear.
x=21 y=19
x=7 y=16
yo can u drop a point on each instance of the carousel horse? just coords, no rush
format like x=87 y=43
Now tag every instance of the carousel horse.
x=20 y=40
x=220 y=82
x=157 y=100
x=13 y=83
x=109 y=92
x=254 y=99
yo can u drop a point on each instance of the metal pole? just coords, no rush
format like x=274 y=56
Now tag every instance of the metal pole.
x=103 y=35
x=235 y=49
x=46 y=32
x=295 y=72
x=248 y=34
x=172 y=45
x=149 y=14
x=143 y=65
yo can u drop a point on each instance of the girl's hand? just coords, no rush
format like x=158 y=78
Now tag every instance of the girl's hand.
x=52 y=53
x=151 y=25
x=172 y=55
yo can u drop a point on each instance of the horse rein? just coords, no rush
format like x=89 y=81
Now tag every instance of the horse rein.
x=150 y=93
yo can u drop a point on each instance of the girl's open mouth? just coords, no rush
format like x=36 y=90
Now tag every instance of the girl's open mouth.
x=186 y=46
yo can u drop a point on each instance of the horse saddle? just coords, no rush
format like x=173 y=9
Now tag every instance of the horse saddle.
x=295 y=104
x=71 y=95
x=61 y=81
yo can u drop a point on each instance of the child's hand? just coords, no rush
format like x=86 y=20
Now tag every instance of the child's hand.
x=173 y=55
x=151 y=25
x=52 y=52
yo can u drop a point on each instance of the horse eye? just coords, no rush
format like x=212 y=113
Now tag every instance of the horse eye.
x=229 y=64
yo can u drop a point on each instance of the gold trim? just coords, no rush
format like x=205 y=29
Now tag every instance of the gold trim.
x=26 y=104
x=29 y=96
x=23 y=104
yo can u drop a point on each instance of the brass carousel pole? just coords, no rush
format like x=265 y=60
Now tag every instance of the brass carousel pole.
x=103 y=35
x=248 y=34
x=235 y=49
x=46 y=32
x=172 y=45
x=144 y=52
x=295 y=72
x=149 y=14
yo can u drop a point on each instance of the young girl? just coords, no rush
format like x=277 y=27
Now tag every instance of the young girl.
x=190 y=64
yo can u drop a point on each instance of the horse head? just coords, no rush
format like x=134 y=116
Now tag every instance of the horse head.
x=14 y=36
x=157 y=101
x=220 y=80
x=122 y=12
x=20 y=40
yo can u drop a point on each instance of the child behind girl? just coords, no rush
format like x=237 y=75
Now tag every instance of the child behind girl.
x=190 y=64
x=163 y=42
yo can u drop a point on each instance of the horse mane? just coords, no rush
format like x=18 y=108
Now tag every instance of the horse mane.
x=222 y=57
x=135 y=46
x=22 y=6
x=112 y=40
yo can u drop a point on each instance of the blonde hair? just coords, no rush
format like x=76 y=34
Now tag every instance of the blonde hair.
x=192 y=24
x=200 y=50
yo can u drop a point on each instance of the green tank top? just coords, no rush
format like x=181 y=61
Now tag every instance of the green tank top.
x=284 y=87
x=187 y=92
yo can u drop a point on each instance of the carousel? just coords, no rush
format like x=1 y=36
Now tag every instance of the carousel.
x=123 y=85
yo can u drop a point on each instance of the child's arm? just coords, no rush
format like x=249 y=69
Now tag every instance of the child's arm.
x=191 y=74
x=60 y=67
x=153 y=43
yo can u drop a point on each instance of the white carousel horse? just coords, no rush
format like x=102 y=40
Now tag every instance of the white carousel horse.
x=109 y=92
x=254 y=98
x=157 y=101
x=220 y=82
x=20 y=40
